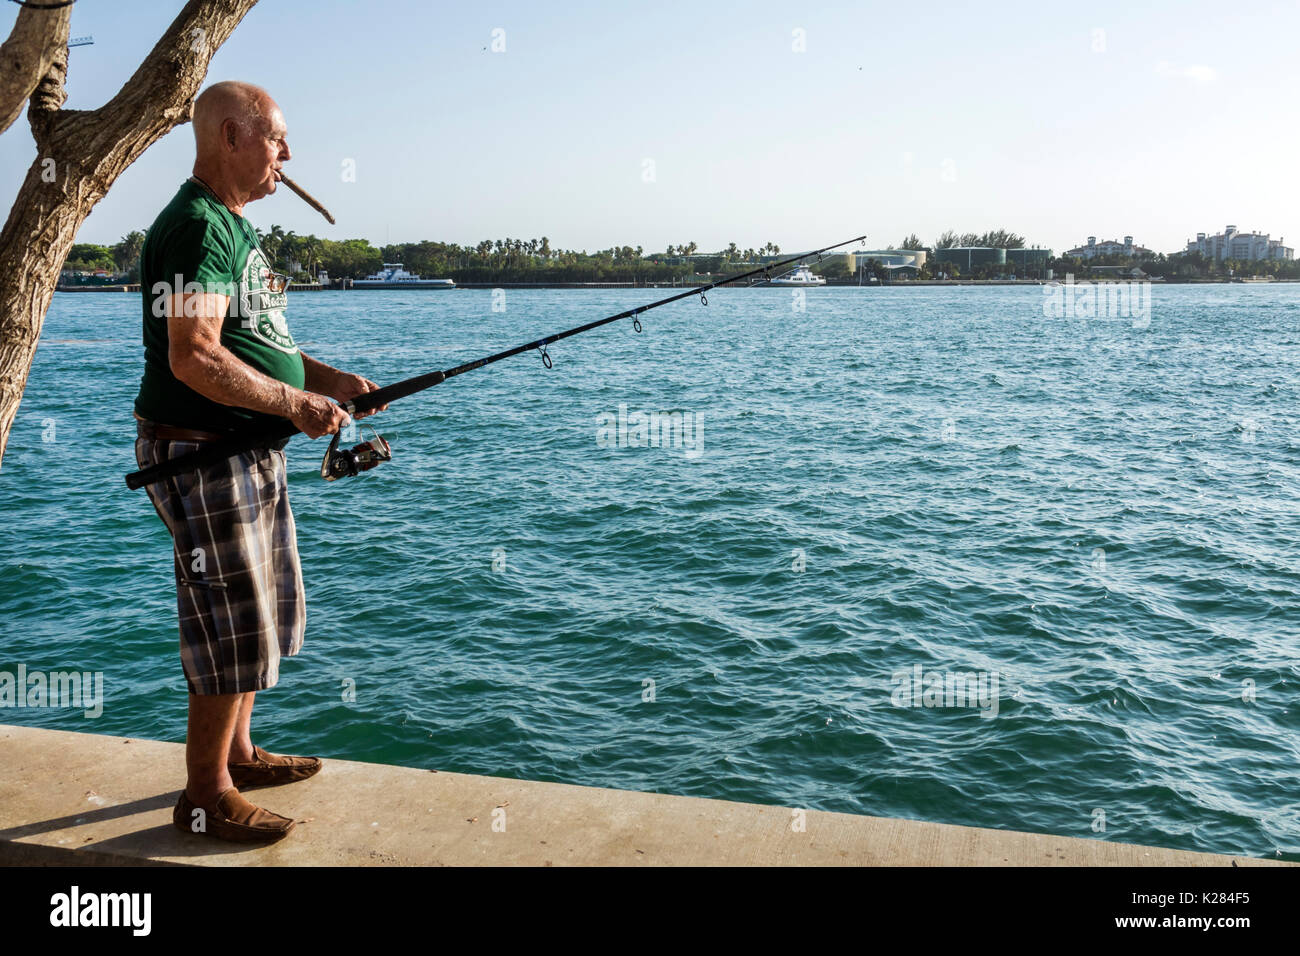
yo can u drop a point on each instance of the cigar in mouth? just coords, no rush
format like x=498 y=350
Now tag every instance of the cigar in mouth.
x=306 y=196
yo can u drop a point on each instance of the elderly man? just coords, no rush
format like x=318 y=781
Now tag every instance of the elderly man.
x=219 y=358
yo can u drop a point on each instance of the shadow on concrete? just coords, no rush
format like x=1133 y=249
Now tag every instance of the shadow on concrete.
x=129 y=849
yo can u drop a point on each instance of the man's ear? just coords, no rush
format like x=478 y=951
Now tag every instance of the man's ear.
x=230 y=132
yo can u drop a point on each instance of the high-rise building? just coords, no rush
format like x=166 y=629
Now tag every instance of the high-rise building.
x=1231 y=244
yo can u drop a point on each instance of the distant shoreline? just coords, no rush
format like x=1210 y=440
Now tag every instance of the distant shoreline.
x=926 y=283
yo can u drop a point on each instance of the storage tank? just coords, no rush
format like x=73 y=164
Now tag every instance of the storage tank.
x=970 y=258
x=1028 y=258
x=985 y=256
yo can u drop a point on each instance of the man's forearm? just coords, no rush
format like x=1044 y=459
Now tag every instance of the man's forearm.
x=217 y=374
x=319 y=377
x=338 y=385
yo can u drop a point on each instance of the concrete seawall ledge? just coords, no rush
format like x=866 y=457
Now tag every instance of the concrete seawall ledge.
x=87 y=799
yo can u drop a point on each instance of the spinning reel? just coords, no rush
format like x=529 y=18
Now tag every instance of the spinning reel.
x=346 y=462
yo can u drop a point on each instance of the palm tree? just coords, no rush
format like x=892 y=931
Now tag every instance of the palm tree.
x=289 y=248
x=127 y=252
x=310 y=248
x=271 y=242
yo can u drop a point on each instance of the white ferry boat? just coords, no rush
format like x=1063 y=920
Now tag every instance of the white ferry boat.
x=800 y=276
x=393 y=276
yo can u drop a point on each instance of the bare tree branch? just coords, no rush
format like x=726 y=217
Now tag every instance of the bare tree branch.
x=26 y=57
x=80 y=154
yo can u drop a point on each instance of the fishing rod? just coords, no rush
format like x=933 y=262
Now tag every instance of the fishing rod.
x=338 y=464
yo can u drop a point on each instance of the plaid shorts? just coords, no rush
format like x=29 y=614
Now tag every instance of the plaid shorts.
x=239 y=593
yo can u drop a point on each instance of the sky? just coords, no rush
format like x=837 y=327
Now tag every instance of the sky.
x=620 y=123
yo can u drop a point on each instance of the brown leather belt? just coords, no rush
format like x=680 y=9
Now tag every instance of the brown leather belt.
x=156 y=432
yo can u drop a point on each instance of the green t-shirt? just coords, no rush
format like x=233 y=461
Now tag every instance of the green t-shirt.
x=198 y=245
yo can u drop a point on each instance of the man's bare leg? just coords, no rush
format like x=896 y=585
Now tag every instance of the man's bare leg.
x=212 y=722
x=268 y=769
x=241 y=739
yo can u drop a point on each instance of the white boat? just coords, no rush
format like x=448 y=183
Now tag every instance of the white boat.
x=800 y=276
x=392 y=275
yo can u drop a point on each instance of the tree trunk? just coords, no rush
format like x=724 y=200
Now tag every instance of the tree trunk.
x=79 y=155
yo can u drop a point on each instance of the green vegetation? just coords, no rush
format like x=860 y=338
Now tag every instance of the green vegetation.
x=535 y=260
x=121 y=260
x=837 y=267
x=87 y=257
x=504 y=260
x=993 y=239
x=499 y=260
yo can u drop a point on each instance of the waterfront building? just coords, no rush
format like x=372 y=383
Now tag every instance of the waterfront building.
x=969 y=258
x=1231 y=244
x=1108 y=247
x=891 y=259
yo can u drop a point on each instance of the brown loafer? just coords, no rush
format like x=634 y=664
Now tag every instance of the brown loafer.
x=268 y=770
x=231 y=818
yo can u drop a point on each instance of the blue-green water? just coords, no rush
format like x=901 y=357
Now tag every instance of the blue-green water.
x=1104 y=517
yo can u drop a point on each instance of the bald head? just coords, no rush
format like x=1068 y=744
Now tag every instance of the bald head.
x=243 y=104
x=240 y=140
